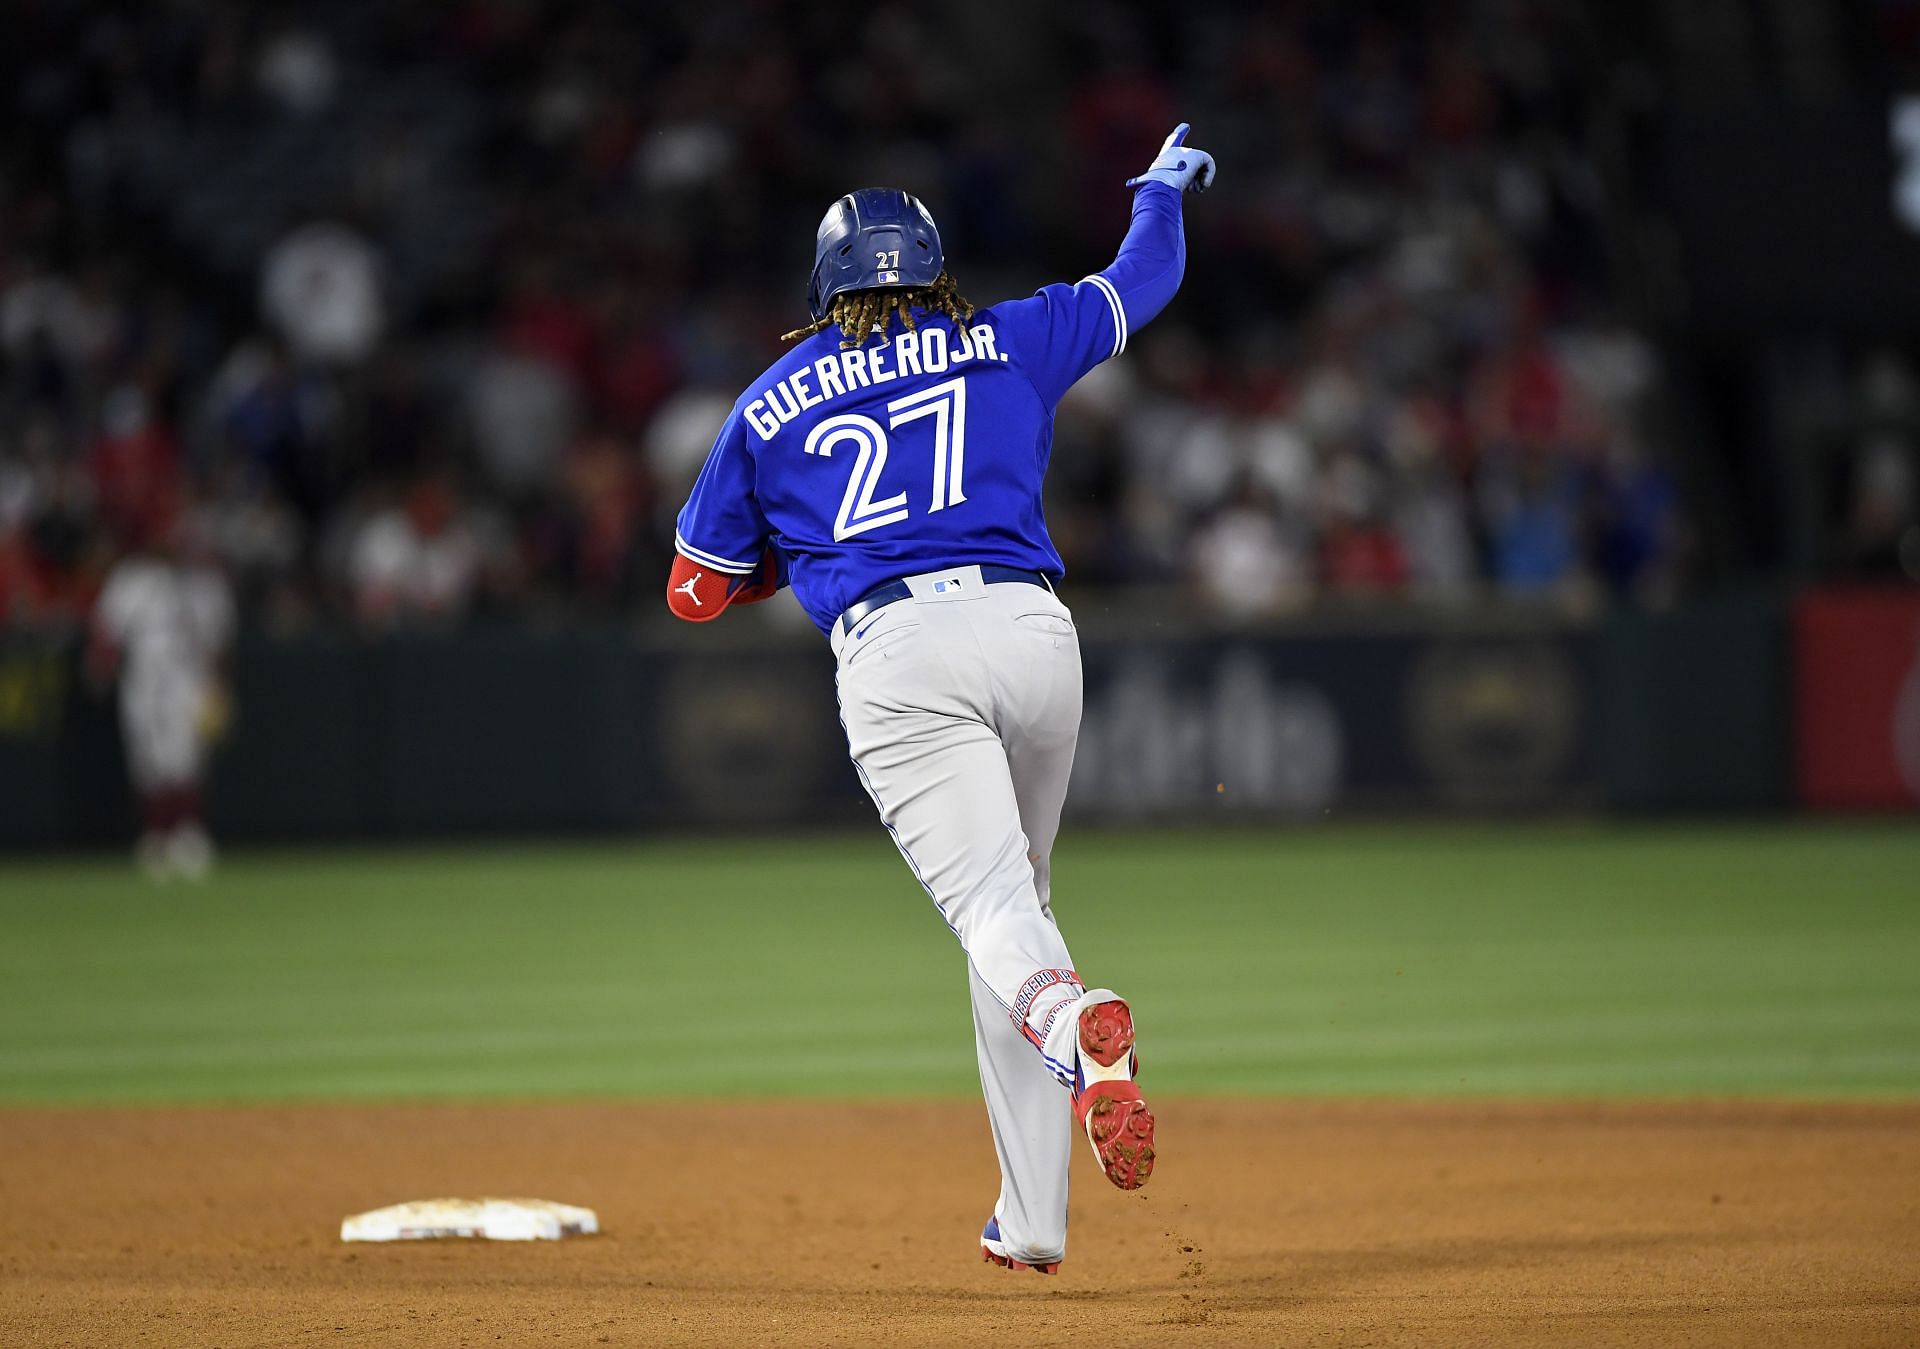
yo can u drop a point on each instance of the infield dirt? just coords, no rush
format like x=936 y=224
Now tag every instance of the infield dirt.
x=1267 y=1223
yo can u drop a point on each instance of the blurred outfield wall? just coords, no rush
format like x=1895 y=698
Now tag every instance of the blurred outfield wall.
x=618 y=729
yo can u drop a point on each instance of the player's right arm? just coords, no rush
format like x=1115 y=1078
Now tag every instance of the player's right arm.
x=1063 y=331
x=722 y=553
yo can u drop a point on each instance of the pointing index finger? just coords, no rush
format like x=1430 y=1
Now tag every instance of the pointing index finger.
x=1179 y=136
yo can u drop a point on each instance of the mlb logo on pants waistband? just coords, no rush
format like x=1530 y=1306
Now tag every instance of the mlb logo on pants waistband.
x=947 y=585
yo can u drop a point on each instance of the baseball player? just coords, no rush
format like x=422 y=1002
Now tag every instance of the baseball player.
x=163 y=623
x=889 y=469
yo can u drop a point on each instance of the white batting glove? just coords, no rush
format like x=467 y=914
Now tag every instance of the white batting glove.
x=1179 y=166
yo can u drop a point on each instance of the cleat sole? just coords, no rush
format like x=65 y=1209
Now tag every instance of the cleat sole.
x=1108 y=1104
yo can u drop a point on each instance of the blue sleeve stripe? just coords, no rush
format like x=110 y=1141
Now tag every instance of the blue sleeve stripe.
x=713 y=560
x=1119 y=312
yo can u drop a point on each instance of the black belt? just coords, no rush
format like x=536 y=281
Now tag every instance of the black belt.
x=894 y=591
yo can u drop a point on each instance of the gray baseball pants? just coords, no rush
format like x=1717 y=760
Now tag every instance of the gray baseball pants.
x=961 y=707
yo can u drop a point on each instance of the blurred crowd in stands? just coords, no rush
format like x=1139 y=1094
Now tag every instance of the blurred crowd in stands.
x=430 y=311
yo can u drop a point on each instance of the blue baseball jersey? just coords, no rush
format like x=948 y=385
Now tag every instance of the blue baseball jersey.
x=919 y=449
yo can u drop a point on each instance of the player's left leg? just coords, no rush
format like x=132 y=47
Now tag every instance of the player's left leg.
x=1032 y=1123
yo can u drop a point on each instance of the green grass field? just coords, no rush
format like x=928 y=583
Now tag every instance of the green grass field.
x=1764 y=959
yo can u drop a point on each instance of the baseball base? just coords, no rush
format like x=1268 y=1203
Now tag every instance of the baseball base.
x=491 y=1219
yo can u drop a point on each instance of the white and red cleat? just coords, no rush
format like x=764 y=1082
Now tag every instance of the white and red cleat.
x=1106 y=1102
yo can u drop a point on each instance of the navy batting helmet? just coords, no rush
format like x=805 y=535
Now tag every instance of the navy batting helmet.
x=878 y=237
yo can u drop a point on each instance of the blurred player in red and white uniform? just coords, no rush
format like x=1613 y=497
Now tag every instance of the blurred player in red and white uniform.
x=163 y=623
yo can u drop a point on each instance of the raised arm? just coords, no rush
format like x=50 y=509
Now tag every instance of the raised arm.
x=1153 y=256
x=1070 y=329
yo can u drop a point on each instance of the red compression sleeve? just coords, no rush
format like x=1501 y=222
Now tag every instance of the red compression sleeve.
x=698 y=593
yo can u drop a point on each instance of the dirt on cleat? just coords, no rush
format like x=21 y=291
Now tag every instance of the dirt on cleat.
x=1106 y=1032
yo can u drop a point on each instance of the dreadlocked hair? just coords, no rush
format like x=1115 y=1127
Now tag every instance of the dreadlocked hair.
x=858 y=312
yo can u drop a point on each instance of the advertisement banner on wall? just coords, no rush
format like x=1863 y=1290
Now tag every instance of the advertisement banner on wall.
x=1304 y=726
x=1857 y=699
x=508 y=732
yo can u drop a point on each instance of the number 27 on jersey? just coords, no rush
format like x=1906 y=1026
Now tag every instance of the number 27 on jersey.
x=946 y=405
